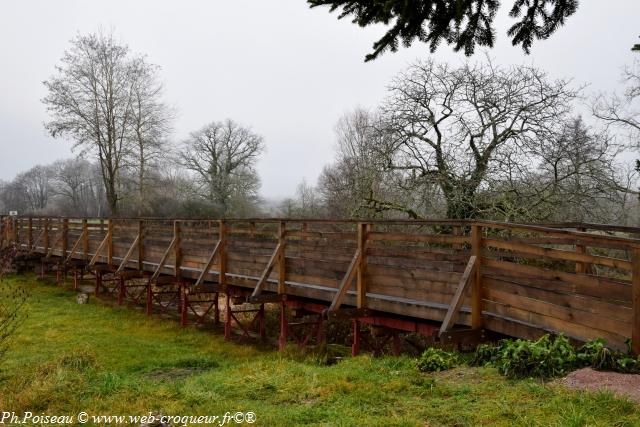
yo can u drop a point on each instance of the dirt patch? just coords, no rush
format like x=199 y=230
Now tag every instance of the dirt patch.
x=626 y=385
x=173 y=374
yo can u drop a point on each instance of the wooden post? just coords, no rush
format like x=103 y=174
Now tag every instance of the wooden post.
x=85 y=240
x=177 y=250
x=45 y=236
x=222 y=236
x=141 y=245
x=476 y=290
x=457 y=231
x=110 y=242
x=14 y=232
x=635 y=299
x=30 y=233
x=362 y=267
x=581 y=267
x=65 y=237
x=282 y=227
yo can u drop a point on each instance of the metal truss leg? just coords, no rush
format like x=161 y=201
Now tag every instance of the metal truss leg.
x=282 y=341
x=355 y=347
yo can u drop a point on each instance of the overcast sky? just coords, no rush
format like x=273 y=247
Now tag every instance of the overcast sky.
x=286 y=70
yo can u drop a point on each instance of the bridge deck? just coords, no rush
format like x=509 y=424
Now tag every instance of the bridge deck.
x=579 y=279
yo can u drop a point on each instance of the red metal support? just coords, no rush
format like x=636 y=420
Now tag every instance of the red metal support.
x=121 y=291
x=149 y=304
x=98 y=282
x=282 y=340
x=355 y=346
x=227 y=317
x=256 y=323
x=184 y=317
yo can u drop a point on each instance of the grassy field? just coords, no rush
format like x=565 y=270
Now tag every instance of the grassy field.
x=107 y=360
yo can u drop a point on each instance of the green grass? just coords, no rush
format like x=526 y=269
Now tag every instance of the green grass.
x=102 y=359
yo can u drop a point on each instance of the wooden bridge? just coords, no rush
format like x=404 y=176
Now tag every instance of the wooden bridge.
x=452 y=279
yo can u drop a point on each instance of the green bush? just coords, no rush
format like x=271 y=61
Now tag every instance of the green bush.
x=434 y=360
x=551 y=356
x=596 y=354
x=486 y=354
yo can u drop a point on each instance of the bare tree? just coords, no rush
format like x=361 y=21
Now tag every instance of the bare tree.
x=454 y=126
x=77 y=188
x=223 y=156
x=37 y=185
x=571 y=176
x=357 y=183
x=623 y=111
x=91 y=98
x=151 y=123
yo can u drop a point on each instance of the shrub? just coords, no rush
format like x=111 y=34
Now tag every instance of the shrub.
x=595 y=354
x=434 y=360
x=551 y=356
x=486 y=354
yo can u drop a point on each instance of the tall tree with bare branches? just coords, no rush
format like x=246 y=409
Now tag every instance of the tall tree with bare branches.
x=455 y=126
x=223 y=156
x=91 y=99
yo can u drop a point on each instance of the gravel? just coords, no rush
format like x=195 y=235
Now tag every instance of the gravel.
x=624 y=385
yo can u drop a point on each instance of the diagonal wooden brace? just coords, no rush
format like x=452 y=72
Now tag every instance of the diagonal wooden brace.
x=456 y=302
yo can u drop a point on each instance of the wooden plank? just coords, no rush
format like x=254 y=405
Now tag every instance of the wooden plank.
x=581 y=238
x=581 y=332
x=568 y=314
x=346 y=282
x=429 y=238
x=582 y=284
x=415 y=274
x=456 y=302
x=565 y=300
x=581 y=257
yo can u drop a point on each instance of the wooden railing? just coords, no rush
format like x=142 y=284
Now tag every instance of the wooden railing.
x=522 y=280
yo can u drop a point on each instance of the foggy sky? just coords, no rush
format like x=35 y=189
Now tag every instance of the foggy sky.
x=286 y=70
